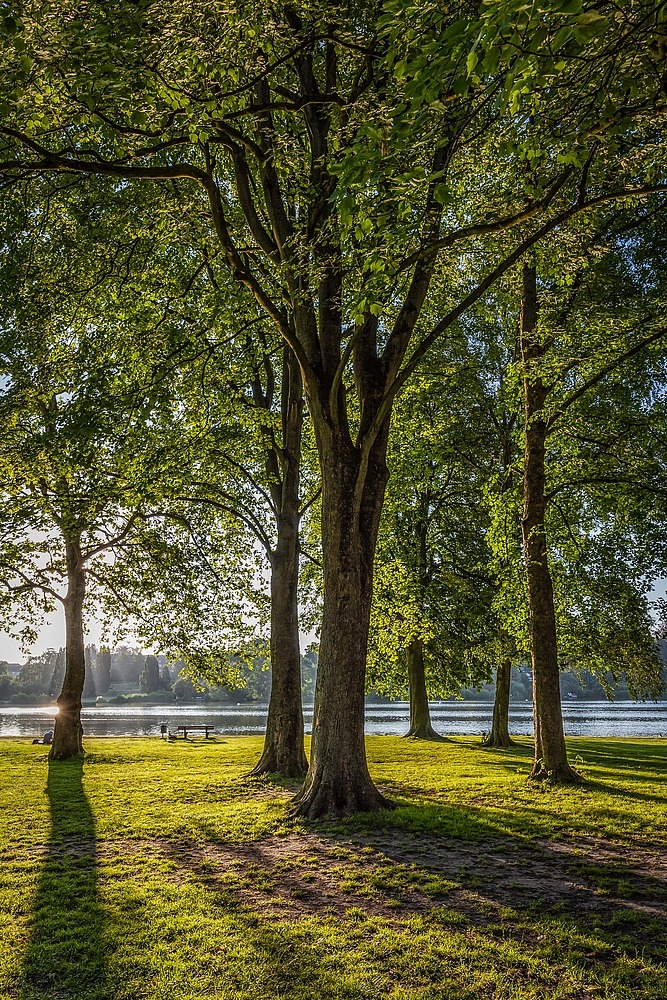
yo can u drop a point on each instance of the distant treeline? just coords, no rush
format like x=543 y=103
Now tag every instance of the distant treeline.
x=125 y=674
x=582 y=687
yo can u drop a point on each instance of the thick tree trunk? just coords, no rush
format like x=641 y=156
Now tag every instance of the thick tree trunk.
x=550 y=751
x=420 y=713
x=338 y=780
x=500 y=730
x=68 y=733
x=283 y=751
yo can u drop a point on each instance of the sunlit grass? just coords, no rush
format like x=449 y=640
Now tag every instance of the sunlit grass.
x=160 y=870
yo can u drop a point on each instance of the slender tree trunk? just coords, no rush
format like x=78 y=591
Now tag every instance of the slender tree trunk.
x=283 y=751
x=420 y=713
x=338 y=780
x=68 y=733
x=550 y=751
x=500 y=731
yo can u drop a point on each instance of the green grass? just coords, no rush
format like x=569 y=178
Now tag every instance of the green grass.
x=157 y=870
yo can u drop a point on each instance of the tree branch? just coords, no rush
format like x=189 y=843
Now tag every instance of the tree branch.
x=574 y=396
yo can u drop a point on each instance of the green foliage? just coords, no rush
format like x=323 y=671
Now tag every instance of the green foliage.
x=362 y=187
x=149 y=680
x=432 y=581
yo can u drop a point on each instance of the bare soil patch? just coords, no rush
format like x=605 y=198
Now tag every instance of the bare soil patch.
x=399 y=873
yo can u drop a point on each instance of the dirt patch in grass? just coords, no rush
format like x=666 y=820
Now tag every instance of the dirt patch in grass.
x=296 y=875
x=400 y=873
x=578 y=875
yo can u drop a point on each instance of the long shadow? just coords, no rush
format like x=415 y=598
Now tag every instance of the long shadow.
x=522 y=889
x=624 y=793
x=66 y=953
x=637 y=763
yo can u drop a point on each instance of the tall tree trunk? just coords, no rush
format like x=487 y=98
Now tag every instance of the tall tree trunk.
x=420 y=713
x=550 y=751
x=283 y=751
x=338 y=780
x=500 y=730
x=68 y=733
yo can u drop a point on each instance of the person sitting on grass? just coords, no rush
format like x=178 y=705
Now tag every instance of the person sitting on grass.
x=46 y=740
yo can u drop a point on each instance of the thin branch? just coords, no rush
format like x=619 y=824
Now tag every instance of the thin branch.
x=309 y=503
x=604 y=480
x=489 y=228
x=313 y=559
x=113 y=541
x=574 y=396
x=29 y=584
x=247 y=518
x=425 y=345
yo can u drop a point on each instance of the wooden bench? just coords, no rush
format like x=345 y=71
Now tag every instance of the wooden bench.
x=192 y=729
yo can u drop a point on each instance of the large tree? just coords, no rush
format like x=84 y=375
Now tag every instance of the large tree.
x=83 y=455
x=344 y=161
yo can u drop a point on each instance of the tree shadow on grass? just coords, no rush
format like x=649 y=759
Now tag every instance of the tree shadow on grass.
x=634 y=762
x=66 y=952
x=619 y=792
x=534 y=895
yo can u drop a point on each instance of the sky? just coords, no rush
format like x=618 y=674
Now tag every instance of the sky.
x=52 y=635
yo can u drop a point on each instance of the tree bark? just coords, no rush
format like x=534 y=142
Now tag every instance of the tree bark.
x=338 y=780
x=550 y=752
x=420 y=713
x=68 y=732
x=500 y=731
x=283 y=751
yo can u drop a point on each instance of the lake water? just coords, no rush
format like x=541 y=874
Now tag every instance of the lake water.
x=462 y=718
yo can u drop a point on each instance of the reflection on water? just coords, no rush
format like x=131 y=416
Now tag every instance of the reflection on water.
x=589 y=718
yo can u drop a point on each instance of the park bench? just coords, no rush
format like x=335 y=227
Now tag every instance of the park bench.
x=192 y=729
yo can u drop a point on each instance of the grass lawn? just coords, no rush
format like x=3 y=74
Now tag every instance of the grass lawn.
x=155 y=870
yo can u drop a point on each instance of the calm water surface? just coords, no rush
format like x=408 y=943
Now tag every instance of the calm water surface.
x=590 y=718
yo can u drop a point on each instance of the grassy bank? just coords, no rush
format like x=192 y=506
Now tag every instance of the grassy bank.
x=159 y=870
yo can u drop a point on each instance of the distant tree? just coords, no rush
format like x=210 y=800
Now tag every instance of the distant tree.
x=89 y=682
x=126 y=665
x=165 y=677
x=35 y=676
x=58 y=675
x=432 y=600
x=6 y=682
x=183 y=688
x=103 y=669
x=309 y=673
x=149 y=680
